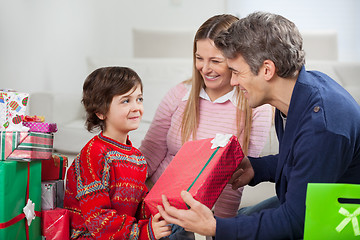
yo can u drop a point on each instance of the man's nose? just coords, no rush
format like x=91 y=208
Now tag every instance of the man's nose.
x=234 y=82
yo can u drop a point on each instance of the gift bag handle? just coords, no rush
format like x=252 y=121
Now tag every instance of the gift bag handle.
x=349 y=200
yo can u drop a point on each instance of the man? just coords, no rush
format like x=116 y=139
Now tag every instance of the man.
x=317 y=124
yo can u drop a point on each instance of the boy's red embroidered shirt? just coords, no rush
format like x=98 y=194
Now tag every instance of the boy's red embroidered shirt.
x=105 y=188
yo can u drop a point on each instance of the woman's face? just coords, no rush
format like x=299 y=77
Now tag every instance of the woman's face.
x=213 y=68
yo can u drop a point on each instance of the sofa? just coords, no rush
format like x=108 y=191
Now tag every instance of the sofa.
x=158 y=76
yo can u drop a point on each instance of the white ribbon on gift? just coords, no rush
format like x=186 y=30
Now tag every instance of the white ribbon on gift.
x=349 y=217
x=29 y=211
x=220 y=140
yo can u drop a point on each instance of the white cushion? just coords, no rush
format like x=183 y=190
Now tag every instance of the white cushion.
x=349 y=72
x=156 y=43
x=326 y=67
x=320 y=45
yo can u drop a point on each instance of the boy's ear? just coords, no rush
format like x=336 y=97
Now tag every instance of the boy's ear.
x=100 y=116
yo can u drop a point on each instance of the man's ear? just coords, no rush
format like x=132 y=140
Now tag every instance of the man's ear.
x=100 y=116
x=269 y=69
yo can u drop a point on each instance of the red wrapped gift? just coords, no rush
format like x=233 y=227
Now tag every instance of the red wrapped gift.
x=200 y=169
x=55 y=224
x=54 y=169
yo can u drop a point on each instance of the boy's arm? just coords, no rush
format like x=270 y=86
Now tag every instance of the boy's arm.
x=105 y=223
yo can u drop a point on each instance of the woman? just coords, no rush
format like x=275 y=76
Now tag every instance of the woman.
x=202 y=106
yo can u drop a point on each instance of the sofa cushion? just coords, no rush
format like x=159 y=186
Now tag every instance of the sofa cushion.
x=326 y=67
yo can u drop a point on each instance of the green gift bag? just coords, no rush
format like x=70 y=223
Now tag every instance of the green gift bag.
x=332 y=211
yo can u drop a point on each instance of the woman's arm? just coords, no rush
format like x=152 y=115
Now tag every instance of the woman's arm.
x=260 y=129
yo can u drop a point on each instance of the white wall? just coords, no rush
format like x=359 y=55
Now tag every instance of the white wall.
x=309 y=15
x=44 y=43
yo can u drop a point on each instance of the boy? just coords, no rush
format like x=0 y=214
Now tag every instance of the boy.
x=105 y=184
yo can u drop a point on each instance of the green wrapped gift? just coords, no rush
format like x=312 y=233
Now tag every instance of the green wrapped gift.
x=13 y=191
x=332 y=211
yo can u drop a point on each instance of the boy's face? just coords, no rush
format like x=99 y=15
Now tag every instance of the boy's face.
x=124 y=114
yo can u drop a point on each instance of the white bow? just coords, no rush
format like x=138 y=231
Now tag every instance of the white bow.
x=220 y=140
x=349 y=217
x=29 y=211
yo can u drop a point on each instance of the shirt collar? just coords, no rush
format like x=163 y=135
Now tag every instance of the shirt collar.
x=228 y=96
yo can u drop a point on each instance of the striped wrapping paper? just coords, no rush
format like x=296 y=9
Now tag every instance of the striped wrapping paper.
x=25 y=146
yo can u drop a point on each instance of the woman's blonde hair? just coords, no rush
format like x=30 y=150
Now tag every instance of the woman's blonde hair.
x=190 y=120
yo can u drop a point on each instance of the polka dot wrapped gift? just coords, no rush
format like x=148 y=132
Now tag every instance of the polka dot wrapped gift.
x=43 y=127
x=201 y=167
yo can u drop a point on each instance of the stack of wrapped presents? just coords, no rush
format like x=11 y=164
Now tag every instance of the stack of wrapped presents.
x=31 y=175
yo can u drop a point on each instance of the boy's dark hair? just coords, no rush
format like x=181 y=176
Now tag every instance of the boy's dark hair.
x=99 y=89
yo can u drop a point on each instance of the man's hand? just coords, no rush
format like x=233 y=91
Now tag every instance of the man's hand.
x=160 y=227
x=198 y=218
x=243 y=174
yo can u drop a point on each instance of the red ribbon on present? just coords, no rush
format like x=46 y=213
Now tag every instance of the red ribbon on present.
x=22 y=215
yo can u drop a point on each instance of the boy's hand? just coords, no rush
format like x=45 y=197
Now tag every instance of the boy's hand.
x=160 y=227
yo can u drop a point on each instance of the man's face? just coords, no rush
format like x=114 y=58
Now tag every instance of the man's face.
x=251 y=85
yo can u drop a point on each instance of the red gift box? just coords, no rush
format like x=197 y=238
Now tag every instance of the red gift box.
x=202 y=171
x=55 y=224
x=55 y=168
